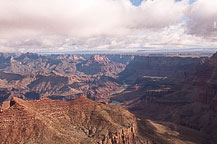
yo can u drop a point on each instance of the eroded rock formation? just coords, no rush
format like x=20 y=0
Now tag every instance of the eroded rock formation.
x=100 y=64
x=78 y=121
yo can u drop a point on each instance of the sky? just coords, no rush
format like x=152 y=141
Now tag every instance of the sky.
x=110 y=25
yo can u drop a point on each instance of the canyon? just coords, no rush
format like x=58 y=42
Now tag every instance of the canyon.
x=82 y=98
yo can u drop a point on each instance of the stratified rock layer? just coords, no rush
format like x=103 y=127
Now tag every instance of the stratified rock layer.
x=78 y=121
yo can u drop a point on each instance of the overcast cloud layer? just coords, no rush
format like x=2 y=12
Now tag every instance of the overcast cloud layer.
x=66 y=25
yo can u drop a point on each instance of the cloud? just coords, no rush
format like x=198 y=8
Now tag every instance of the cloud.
x=84 y=18
x=171 y=37
x=158 y=13
x=61 y=26
x=202 y=18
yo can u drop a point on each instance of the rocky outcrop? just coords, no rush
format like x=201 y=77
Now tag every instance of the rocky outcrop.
x=121 y=137
x=100 y=64
x=4 y=106
x=78 y=121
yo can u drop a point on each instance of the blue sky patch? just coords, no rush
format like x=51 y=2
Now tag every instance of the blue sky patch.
x=138 y=2
x=192 y=1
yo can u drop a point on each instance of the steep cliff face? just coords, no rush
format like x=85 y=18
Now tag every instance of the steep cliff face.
x=190 y=103
x=173 y=67
x=78 y=121
x=205 y=83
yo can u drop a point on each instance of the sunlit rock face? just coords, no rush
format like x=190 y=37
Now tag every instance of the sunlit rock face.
x=78 y=121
